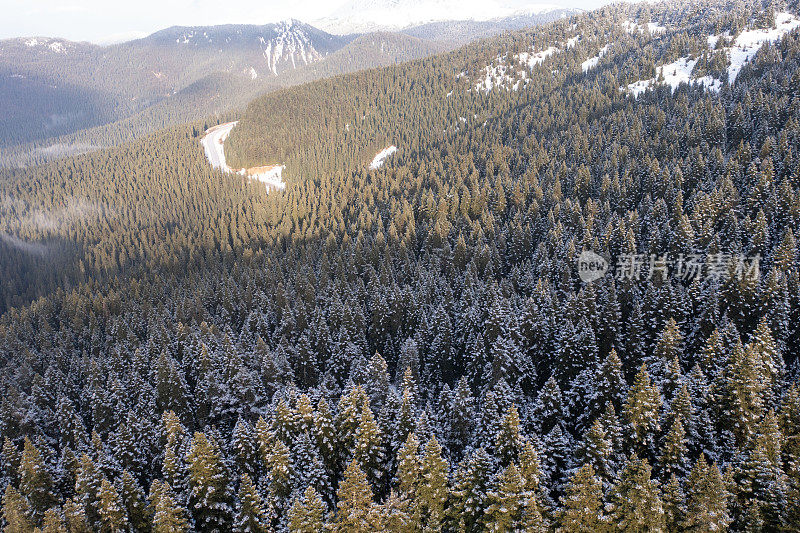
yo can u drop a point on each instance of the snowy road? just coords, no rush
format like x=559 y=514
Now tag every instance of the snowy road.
x=213 y=144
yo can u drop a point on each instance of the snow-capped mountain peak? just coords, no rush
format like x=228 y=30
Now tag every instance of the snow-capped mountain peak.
x=271 y=48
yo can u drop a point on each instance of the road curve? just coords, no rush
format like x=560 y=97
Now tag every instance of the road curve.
x=213 y=144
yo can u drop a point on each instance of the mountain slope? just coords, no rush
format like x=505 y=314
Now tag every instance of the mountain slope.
x=413 y=346
x=124 y=79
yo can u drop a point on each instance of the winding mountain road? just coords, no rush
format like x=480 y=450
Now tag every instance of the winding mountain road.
x=213 y=144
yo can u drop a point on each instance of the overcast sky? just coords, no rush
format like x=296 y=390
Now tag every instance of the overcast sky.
x=105 y=21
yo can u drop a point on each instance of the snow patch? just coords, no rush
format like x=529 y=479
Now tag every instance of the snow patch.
x=650 y=27
x=749 y=42
x=593 y=61
x=674 y=74
x=381 y=156
x=271 y=176
x=535 y=58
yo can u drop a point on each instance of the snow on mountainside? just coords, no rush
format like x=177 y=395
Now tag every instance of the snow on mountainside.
x=515 y=74
x=380 y=157
x=282 y=46
x=291 y=45
x=743 y=49
x=373 y=15
x=42 y=45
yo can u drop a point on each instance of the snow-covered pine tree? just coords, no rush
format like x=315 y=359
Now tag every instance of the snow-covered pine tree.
x=210 y=493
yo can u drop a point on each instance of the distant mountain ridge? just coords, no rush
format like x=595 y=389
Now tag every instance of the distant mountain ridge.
x=55 y=92
x=394 y=15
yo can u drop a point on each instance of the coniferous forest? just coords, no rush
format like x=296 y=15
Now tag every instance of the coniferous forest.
x=413 y=348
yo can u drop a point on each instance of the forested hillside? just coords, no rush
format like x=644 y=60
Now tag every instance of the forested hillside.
x=59 y=98
x=413 y=348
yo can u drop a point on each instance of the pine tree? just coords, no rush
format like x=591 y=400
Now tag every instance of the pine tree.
x=75 y=517
x=210 y=495
x=470 y=494
x=307 y=467
x=246 y=448
x=790 y=427
x=16 y=512
x=596 y=450
x=392 y=515
x=355 y=502
x=307 y=514
x=635 y=503
x=507 y=502
x=666 y=350
x=741 y=389
x=368 y=451
x=325 y=436
x=409 y=469
x=509 y=441
x=706 y=499
x=35 y=483
x=10 y=458
x=133 y=497
x=173 y=469
x=641 y=411
x=87 y=488
x=433 y=491
x=763 y=483
x=277 y=459
x=674 y=501
x=53 y=522
x=113 y=515
x=674 y=458
x=611 y=385
x=168 y=515
x=581 y=505
x=251 y=515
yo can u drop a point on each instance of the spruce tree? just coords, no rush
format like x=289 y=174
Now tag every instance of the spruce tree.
x=470 y=493
x=635 y=501
x=53 y=522
x=368 y=451
x=355 y=502
x=113 y=515
x=674 y=501
x=16 y=512
x=596 y=450
x=36 y=483
x=251 y=514
x=507 y=502
x=674 y=458
x=169 y=516
x=706 y=499
x=433 y=492
x=509 y=441
x=307 y=514
x=134 y=500
x=581 y=505
x=75 y=517
x=210 y=493
x=641 y=411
